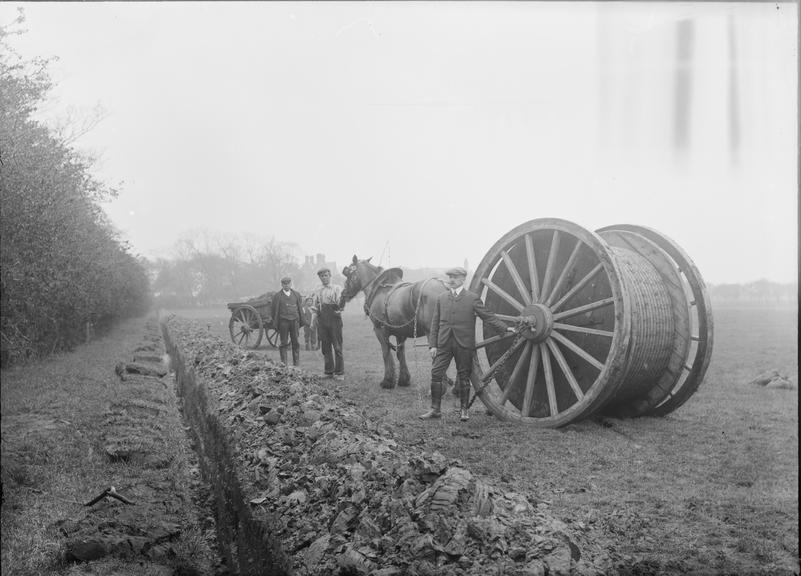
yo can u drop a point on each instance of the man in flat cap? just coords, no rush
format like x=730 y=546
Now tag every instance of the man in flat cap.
x=329 y=324
x=453 y=336
x=287 y=310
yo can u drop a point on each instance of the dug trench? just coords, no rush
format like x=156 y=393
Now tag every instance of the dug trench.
x=231 y=463
x=304 y=483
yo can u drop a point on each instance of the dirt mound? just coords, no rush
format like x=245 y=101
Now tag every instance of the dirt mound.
x=342 y=496
x=774 y=379
x=150 y=516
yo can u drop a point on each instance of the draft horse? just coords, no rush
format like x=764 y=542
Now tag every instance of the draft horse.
x=396 y=308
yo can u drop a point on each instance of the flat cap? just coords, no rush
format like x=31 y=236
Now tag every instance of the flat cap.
x=322 y=271
x=286 y=280
x=458 y=271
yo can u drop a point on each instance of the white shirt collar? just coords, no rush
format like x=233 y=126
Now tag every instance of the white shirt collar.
x=287 y=292
x=458 y=290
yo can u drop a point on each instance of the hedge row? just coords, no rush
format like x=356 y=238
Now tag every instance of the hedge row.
x=62 y=265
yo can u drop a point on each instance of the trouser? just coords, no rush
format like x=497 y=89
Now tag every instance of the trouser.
x=288 y=330
x=329 y=331
x=464 y=367
x=310 y=337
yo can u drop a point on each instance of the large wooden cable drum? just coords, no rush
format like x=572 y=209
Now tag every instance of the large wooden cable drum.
x=614 y=322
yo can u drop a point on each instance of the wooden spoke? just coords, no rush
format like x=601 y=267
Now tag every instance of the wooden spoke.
x=549 y=268
x=560 y=359
x=581 y=283
x=533 y=365
x=516 y=277
x=242 y=335
x=563 y=276
x=504 y=336
x=582 y=329
x=503 y=294
x=549 y=385
x=585 y=308
x=516 y=372
x=532 y=269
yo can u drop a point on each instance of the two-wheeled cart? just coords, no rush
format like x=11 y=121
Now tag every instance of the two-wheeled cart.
x=251 y=320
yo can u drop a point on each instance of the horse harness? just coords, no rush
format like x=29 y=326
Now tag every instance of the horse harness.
x=393 y=287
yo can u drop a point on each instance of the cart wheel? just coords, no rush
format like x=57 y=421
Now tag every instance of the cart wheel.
x=568 y=362
x=272 y=336
x=245 y=327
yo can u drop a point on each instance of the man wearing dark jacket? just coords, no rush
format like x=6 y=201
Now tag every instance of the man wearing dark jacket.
x=287 y=310
x=453 y=336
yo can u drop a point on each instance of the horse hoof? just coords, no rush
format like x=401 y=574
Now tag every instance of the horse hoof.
x=387 y=385
x=404 y=383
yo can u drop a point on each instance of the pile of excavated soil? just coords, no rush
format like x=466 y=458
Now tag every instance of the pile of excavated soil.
x=342 y=496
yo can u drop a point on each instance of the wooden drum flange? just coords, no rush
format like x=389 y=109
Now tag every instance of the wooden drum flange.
x=615 y=322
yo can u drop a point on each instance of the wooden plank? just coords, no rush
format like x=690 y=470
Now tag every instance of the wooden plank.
x=560 y=359
x=582 y=329
x=579 y=351
x=530 y=381
x=549 y=267
x=532 y=269
x=585 y=308
x=561 y=280
x=521 y=361
x=549 y=385
x=516 y=277
x=581 y=283
x=503 y=294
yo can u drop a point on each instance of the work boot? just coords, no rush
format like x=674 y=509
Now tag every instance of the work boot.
x=282 y=353
x=295 y=357
x=464 y=400
x=436 y=403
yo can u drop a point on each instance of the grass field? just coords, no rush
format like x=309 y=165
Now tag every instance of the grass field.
x=59 y=416
x=709 y=489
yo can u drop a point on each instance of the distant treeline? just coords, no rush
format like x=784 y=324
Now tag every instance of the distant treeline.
x=210 y=270
x=63 y=268
x=763 y=292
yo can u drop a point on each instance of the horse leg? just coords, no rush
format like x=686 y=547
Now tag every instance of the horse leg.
x=389 y=364
x=404 y=378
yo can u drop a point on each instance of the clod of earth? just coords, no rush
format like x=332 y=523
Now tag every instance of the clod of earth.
x=147 y=357
x=774 y=379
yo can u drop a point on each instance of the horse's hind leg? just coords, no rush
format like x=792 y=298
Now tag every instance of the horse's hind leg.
x=404 y=378
x=389 y=363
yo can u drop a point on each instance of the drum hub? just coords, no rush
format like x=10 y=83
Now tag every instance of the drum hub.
x=537 y=322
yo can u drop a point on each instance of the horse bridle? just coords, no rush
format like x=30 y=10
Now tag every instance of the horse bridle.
x=350 y=270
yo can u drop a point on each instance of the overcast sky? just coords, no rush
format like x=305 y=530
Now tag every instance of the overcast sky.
x=420 y=133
